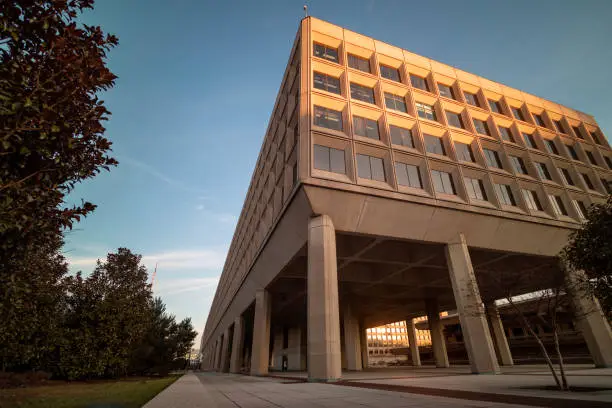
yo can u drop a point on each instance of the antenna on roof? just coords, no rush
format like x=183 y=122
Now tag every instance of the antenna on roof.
x=305 y=11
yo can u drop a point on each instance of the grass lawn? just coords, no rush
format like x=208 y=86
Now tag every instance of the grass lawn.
x=128 y=393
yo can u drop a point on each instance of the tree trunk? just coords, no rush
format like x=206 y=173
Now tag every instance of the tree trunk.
x=565 y=385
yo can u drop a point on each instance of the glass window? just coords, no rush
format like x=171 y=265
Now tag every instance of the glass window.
x=395 y=102
x=580 y=209
x=492 y=158
x=551 y=147
x=557 y=205
x=464 y=152
x=517 y=113
x=471 y=98
x=587 y=181
x=408 y=175
x=426 y=111
x=482 y=127
x=328 y=53
x=495 y=106
x=532 y=200
x=475 y=189
x=595 y=137
x=389 y=73
x=369 y=167
x=434 y=144
x=359 y=63
x=443 y=182
x=329 y=159
x=566 y=176
x=327 y=118
x=542 y=171
x=572 y=152
x=608 y=161
x=446 y=91
x=419 y=82
x=529 y=141
x=539 y=120
x=504 y=193
x=362 y=93
x=326 y=83
x=559 y=126
x=591 y=157
x=401 y=136
x=505 y=134
x=518 y=164
x=578 y=132
x=454 y=119
x=607 y=185
x=365 y=127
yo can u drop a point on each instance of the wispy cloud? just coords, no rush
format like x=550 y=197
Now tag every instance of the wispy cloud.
x=176 y=286
x=225 y=218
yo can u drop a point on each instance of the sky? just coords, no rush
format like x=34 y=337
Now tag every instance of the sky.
x=198 y=80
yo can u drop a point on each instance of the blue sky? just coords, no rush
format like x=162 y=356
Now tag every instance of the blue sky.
x=198 y=79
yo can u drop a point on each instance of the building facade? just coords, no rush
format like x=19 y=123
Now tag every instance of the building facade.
x=385 y=341
x=390 y=186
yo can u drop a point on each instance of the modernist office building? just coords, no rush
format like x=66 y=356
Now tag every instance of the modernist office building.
x=391 y=186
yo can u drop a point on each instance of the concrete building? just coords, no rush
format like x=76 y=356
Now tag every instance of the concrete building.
x=385 y=341
x=390 y=186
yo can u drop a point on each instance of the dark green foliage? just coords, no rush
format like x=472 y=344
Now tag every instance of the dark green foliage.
x=590 y=250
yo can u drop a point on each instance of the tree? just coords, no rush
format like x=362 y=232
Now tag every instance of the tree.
x=590 y=250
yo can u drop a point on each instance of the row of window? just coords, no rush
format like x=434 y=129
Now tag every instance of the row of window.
x=363 y=64
x=332 y=119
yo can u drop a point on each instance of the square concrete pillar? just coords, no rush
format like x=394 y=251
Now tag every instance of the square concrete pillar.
x=352 y=340
x=294 y=353
x=324 y=358
x=438 y=344
x=218 y=353
x=260 y=353
x=225 y=351
x=476 y=334
x=590 y=319
x=413 y=342
x=500 y=342
x=277 y=350
x=237 y=343
x=363 y=343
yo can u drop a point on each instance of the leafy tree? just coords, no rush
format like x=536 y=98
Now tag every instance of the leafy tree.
x=590 y=250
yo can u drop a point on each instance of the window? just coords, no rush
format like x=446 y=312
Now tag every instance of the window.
x=362 y=93
x=328 y=53
x=492 y=158
x=566 y=176
x=572 y=152
x=559 y=126
x=475 y=189
x=580 y=209
x=434 y=144
x=419 y=82
x=389 y=73
x=329 y=159
x=587 y=181
x=443 y=182
x=401 y=136
x=557 y=205
x=327 y=118
x=471 y=98
x=426 y=111
x=542 y=171
x=359 y=63
x=481 y=127
x=446 y=91
x=591 y=157
x=369 y=167
x=532 y=200
x=517 y=113
x=408 y=175
x=326 y=83
x=607 y=185
x=578 y=132
x=596 y=138
x=505 y=134
x=454 y=119
x=539 y=120
x=608 y=161
x=464 y=152
x=495 y=106
x=551 y=147
x=504 y=193
x=529 y=141
x=365 y=127
x=395 y=102
x=518 y=164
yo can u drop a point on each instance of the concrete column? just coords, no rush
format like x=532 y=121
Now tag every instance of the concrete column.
x=219 y=352
x=500 y=342
x=294 y=355
x=237 y=342
x=225 y=351
x=438 y=344
x=413 y=342
x=352 y=340
x=324 y=358
x=590 y=320
x=260 y=353
x=476 y=334
x=277 y=350
x=363 y=343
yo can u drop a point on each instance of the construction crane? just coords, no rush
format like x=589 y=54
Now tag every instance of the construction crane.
x=153 y=277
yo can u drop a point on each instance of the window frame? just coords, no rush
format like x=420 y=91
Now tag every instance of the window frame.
x=396 y=99
x=450 y=91
x=427 y=137
x=532 y=200
x=504 y=192
x=359 y=89
x=425 y=108
x=405 y=166
x=330 y=161
x=451 y=117
x=542 y=170
x=326 y=82
x=518 y=164
x=367 y=122
x=359 y=59
x=471 y=190
x=326 y=49
x=388 y=68
x=459 y=147
x=467 y=100
x=327 y=111
x=485 y=126
x=410 y=136
x=492 y=158
x=450 y=181
x=416 y=78
x=509 y=132
x=382 y=166
x=557 y=205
